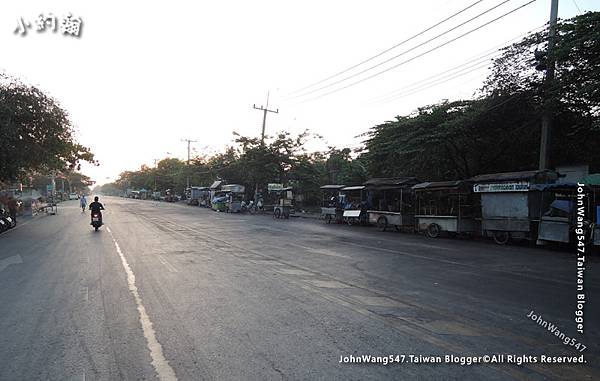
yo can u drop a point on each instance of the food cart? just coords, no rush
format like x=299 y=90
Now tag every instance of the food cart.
x=235 y=196
x=511 y=204
x=196 y=194
x=447 y=206
x=354 y=203
x=285 y=203
x=214 y=188
x=331 y=207
x=219 y=201
x=391 y=202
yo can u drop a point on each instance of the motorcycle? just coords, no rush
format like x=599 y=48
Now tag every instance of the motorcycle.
x=6 y=221
x=96 y=221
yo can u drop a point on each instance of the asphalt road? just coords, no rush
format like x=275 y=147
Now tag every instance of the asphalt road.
x=168 y=291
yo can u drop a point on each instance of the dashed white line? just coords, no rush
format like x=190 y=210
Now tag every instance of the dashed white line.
x=159 y=362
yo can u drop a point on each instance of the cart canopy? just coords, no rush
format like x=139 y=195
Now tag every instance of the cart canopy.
x=216 y=184
x=534 y=176
x=592 y=180
x=234 y=188
x=385 y=183
x=456 y=186
x=332 y=187
x=353 y=188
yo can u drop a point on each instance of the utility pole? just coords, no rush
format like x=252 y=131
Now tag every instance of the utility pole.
x=548 y=82
x=189 y=141
x=155 y=169
x=265 y=110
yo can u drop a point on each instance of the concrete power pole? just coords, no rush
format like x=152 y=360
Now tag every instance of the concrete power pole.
x=265 y=110
x=189 y=141
x=155 y=168
x=548 y=82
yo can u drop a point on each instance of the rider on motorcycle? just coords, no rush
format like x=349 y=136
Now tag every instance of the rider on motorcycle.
x=96 y=207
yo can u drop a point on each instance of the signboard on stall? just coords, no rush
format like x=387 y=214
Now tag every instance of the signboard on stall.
x=272 y=187
x=501 y=187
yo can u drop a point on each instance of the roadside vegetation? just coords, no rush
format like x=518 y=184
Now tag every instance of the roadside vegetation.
x=498 y=130
x=36 y=137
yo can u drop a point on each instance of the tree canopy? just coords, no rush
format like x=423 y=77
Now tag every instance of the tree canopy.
x=500 y=129
x=35 y=132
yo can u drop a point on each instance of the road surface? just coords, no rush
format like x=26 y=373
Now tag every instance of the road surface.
x=173 y=292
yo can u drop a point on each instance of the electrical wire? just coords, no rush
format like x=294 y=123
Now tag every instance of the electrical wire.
x=402 y=53
x=421 y=54
x=491 y=53
x=388 y=49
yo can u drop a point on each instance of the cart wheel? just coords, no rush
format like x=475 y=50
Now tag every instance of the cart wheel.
x=277 y=213
x=382 y=223
x=433 y=230
x=350 y=221
x=501 y=237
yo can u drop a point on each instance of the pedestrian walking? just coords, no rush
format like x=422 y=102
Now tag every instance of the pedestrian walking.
x=83 y=203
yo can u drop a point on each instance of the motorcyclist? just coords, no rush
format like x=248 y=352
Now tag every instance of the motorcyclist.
x=83 y=202
x=96 y=207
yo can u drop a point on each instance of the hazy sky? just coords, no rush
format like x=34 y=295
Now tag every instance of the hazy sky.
x=144 y=75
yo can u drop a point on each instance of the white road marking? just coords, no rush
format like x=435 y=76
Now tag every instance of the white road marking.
x=159 y=362
x=86 y=294
x=14 y=260
x=167 y=264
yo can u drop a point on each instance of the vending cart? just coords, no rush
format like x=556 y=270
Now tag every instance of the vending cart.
x=235 y=195
x=285 y=203
x=331 y=206
x=390 y=202
x=354 y=204
x=511 y=204
x=447 y=206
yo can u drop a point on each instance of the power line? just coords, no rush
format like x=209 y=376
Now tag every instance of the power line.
x=402 y=53
x=388 y=49
x=437 y=83
x=421 y=54
x=491 y=53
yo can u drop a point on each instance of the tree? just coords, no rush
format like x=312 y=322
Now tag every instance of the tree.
x=500 y=130
x=35 y=132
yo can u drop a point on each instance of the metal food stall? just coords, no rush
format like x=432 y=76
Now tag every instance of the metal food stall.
x=446 y=206
x=331 y=207
x=285 y=203
x=354 y=203
x=197 y=194
x=390 y=202
x=511 y=207
x=235 y=195
x=557 y=222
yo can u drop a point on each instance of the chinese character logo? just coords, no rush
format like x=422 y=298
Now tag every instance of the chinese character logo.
x=68 y=25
